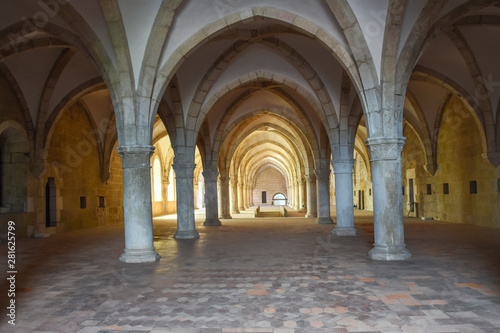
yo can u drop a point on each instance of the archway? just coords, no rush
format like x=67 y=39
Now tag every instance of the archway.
x=279 y=199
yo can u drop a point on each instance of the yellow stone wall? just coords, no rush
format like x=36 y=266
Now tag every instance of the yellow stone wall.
x=361 y=182
x=73 y=161
x=272 y=181
x=460 y=160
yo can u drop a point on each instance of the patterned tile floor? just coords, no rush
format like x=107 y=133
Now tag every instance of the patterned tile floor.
x=259 y=275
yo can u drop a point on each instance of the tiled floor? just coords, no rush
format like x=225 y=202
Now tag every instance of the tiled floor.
x=259 y=275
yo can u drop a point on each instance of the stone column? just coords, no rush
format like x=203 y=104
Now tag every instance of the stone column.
x=165 y=195
x=241 y=205
x=137 y=206
x=311 y=196
x=250 y=196
x=295 y=192
x=343 y=199
x=302 y=195
x=289 y=195
x=323 y=184
x=234 y=197
x=211 y=202
x=224 y=197
x=185 y=200
x=245 y=197
x=387 y=199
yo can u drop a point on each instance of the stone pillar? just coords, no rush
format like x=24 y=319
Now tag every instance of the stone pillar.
x=311 y=196
x=245 y=197
x=343 y=199
x=295 y=187
x=234 y=197
x=302 y=196
x=137 y=206
x=250 y=196
x=241 y=205
x=289 y=195
x=224 y=197
x=165 y=195
x=387 y=199
x=211 y=202
x=323 y=184
x=185 y=200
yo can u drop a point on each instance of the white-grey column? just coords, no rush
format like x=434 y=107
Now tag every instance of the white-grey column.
x=323 y=188
x=387 y=199
x=224 y=197
x=211 y=202
x=343 y=198
x=234 y=197
x=137 y=205
x=312 y=206
x=185 y=200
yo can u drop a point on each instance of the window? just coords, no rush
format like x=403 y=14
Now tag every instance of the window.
x=279 y=199
x=498 y=185
x=403 y=190
x=171 y=185
x=473 y=187
x=264 y=197
x=157 y=180
x=50 y=203
x=83 y=202
x=429 y=189
x=101 y=202
x=446 y=188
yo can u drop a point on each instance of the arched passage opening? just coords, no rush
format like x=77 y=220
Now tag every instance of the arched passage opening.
x=279 y=199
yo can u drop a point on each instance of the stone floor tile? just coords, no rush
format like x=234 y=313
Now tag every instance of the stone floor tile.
x=271 y=276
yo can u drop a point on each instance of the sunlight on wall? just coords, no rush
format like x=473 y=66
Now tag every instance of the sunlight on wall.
x=157 y=180
x=171 y=185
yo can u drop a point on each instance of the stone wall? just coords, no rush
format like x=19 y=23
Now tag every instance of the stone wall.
x=73 y=162
x=362 y=182
x=460 y=160
x=272 y=181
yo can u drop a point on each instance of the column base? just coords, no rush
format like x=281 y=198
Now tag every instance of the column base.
x=139 y=256
x=225 y=217
x=345 y=231
x=310 y=215
x=324 y=220
x=301 y=210
x=391 y=252
x=186 y=234
x=241 y=208
x=212 y=222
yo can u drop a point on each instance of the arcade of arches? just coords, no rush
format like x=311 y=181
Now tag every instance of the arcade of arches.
x=116 y=112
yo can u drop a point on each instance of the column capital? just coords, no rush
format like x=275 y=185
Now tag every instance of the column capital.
x=136 y=156
x=343 y=166
x=210 y=175
x=184 y=170
x=382 y=149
